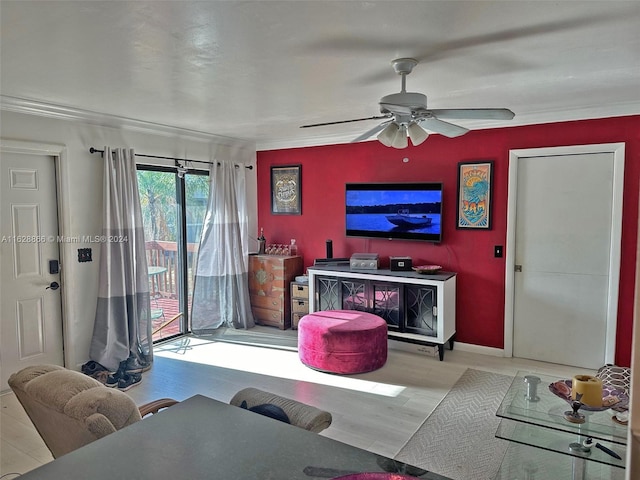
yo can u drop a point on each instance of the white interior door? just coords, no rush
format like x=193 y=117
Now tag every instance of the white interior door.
x=564 y=280
x=30 y=313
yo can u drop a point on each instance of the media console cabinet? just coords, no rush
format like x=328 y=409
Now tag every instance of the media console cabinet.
x=418 y=308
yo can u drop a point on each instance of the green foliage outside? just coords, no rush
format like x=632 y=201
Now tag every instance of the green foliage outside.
x=160 y=207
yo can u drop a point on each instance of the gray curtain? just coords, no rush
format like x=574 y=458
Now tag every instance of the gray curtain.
x=122 y=329
x=221 y=290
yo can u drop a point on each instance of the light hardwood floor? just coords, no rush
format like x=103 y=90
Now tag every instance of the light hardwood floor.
x=376 y=411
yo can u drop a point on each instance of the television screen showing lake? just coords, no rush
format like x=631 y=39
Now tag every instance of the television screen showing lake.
x=382 y=222
x=408 y=211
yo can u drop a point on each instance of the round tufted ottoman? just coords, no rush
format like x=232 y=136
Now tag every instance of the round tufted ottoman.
x=342 y=341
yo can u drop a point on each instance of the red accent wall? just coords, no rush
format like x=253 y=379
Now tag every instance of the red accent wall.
x=480 y=285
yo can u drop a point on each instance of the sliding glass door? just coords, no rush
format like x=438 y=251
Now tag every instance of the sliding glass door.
x=173 y=209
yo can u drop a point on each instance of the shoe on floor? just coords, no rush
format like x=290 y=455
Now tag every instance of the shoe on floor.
x=92 y=367
x=136 y=365
x=102 y=376
x=113 y=379
x=129 y=380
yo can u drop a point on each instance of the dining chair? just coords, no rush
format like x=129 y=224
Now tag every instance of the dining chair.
x=297 y=413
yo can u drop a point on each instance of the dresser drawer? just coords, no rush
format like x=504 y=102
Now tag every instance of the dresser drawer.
x=299 y=290
x=295 y=319
x=268 y=273
x=275 y=318
x=299 y=305
x=275 y=302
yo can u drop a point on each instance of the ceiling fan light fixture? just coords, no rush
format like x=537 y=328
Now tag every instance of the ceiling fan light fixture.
x=400 y=140
x=387 y=135
x=417 y=134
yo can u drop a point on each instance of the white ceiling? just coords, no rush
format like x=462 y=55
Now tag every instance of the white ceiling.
x=257 y=70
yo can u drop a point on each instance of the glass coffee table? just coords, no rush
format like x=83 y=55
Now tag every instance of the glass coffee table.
x=533 y=416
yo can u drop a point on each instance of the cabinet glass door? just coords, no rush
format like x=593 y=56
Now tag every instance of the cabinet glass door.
x=386 y=303
x=354 y=295
x=422 y=310
x=327 y=296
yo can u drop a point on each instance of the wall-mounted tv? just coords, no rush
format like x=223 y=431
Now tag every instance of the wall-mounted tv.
x=410 y=211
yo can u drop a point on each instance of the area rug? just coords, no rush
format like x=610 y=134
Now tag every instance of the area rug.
x=458 y=439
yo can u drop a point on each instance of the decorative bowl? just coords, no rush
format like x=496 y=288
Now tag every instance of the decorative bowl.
x=427 y=268
x=611 y=397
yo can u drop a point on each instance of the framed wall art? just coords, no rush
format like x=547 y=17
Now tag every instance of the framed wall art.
x=286 y=190
x=475 y=183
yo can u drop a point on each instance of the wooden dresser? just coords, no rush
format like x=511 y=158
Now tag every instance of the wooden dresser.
x=269 y=279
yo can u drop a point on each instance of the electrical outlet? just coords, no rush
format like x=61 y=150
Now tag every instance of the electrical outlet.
x=497 y=251
x=84 y=255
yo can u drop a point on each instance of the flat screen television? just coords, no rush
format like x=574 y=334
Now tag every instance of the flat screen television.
x=410 y=211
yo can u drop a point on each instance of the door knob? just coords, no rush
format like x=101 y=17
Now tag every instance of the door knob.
x=53 y=286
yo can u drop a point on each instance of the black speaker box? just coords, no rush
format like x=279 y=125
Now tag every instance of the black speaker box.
x=400 y=264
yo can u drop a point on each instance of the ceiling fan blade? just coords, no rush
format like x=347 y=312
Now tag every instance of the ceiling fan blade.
x=377 y=117
x=474 y=113
x=445 y=128
x=372 y=132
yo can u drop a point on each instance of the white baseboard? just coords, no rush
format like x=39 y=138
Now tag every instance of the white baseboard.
x=469 y=347
x=427 y=350
x=432 y=351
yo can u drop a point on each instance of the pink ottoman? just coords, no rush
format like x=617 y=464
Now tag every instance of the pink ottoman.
x=342 y=341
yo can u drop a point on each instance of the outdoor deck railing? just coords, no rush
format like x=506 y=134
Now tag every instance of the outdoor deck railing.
x=165 y=255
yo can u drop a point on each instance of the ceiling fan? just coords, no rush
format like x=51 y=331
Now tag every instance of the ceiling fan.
x=406 y=114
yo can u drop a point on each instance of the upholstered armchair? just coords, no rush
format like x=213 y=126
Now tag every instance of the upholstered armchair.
x=298 y=414
x=70 y=409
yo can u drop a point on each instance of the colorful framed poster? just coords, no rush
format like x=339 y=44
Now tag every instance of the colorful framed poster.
x=286 y=190
x=475 y=181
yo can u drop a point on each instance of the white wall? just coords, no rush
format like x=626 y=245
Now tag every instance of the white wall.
x=82 y=200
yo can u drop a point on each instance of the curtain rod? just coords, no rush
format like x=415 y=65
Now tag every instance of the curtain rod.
x=95 y=150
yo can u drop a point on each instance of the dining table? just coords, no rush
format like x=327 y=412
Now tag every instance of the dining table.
x=203 y=438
